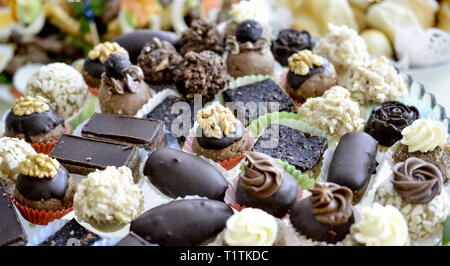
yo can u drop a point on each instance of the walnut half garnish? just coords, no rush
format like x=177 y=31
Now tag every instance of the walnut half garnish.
x=302 y=61
x=217 y=122
x=40 y=166
x=29 y=105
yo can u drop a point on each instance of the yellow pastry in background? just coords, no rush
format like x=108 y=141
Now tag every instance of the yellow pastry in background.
x=377 y=43
x=424 y=10
x=362 y=5
x=360 y=17
x=444 y=16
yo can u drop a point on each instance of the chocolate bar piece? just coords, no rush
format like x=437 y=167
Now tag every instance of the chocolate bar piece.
x=300 y=149
x=82 y=156
x=71 y=234
x=11 y=231
x=133 y=240
x=266 y=91
x=144 y=133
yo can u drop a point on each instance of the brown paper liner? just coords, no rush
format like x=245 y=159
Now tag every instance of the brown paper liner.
x=36 y=216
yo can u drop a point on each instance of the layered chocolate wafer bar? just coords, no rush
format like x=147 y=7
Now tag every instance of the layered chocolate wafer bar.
x=82 y=156
x=144 y=133
x=11 y=231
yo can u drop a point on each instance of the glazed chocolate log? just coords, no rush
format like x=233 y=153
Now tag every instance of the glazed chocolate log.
x=354 y=162
x=218 y=144
x=71 y=234
x=33 y=124
x=133 y=240
x=33 y=188
x=11 y=231
x=183 y=222
x=144 y=133
x=82 y=155
x=134 y=42
x=178 y=174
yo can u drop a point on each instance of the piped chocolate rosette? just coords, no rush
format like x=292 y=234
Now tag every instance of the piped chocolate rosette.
x=43 y=190
x=249 y=51
x=325 y=216
x=288 y=42
x=123 y=90
x=309 y=76
x=416 y=190
x=220 y=136
x=93 y=66
x=426 y=140
x=32 y=120
x=265 y=185
x=387 y=121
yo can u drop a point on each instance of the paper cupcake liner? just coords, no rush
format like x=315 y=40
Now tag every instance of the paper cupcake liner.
x=36 y=216
x=84 y=113
x=155 y=101
x=47 y=231
x=93 y=91
x=45 y=148
x=227 y=164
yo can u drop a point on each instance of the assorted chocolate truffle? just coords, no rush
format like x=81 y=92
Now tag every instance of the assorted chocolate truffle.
x=220 y=136
x=177 y=174
x=289 y=42
x=249 y=51
x=326 y=215
x=123 y=90
x=387 y=121
x=44 y=184
x=354 y=162
x=32 y=120
x=183 y=222
x=158 y=59
x=309 y=75
x=201 y=36
x=266 y=185
x=202 y=73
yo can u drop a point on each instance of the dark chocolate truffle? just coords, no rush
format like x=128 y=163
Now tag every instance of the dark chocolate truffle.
x=249 y=31
x=202 y=35
x=117 y=65
x=178 y=174
x=288 y=42
x=265 y=185
x=353 y=162
x=387 y=121
x=182 y=222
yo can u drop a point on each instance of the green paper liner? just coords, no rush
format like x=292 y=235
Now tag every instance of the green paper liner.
x=85 y=113
x=302 y=179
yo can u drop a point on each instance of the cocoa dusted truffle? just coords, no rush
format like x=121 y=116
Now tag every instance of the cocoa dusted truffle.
x=201 y=73
x=288 y=42
x=202 y=35
x=387 y=121
x=158 y=59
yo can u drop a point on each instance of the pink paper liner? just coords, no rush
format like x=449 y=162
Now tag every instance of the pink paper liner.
x=227 y=164
x=36 y=216
x=93 y=91
x=230 y=196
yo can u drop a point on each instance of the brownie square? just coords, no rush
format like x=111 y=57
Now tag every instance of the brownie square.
x=300 y=149
x=71 y=234
x=265 y=91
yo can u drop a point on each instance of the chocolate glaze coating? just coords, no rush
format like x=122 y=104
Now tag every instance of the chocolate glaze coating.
x=34 y=188
x=295 y=81
x=218 y=144
x=304 y=222
x=134 y=41
x=288 y=42
x=94 y=67
x=278 y=204
x=182 y=222
x=33 y=124
x=353 y=161
x=178 y=174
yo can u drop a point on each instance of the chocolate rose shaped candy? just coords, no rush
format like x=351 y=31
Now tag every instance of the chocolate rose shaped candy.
x=331 y=203
x=289 y=42
x=387 y=121
x=417 y=181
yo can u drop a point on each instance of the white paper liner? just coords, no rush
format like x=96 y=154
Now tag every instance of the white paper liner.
x=155 y=101
x=47 y=231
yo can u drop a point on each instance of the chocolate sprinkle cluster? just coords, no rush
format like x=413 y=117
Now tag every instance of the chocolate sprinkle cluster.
x=201 y=36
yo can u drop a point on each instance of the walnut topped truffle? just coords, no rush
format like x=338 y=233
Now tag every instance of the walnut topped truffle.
x=202 y=35
x=201 y=73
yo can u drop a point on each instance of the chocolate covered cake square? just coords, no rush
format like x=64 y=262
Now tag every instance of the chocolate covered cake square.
x=300 y=149
x=11 y=231
x=71 y=234
x=266 y=91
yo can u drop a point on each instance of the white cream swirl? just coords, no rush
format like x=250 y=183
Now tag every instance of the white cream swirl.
x=251 y=227
x=381 y=226
x=250 y=10
x=424 y=135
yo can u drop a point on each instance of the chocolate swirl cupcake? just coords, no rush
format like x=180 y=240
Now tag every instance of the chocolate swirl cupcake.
x=326 y=215
x=288 y=42
x=265 y=185
x=387 y=121
x=417 y=181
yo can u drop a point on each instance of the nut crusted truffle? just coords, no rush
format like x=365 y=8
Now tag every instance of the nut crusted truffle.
x=201 y=73
x=202 y=35
x=158 y=59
